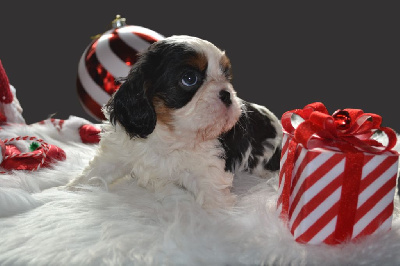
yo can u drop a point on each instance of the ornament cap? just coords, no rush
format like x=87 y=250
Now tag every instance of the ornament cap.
x=118 y=22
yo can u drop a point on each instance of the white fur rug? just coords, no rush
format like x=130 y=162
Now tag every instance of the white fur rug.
x=41 y=224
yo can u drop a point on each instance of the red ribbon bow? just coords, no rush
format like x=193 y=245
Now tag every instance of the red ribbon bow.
x=346 y=129
x=349 y=130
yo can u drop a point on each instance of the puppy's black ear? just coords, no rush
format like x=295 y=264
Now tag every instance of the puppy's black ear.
x=132 y=107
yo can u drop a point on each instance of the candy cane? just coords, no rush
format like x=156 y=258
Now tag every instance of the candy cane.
x=42 y=153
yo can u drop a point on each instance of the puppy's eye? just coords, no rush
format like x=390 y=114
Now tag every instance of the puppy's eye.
x=190 y=78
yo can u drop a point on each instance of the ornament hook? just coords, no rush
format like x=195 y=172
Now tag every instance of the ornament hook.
x=118 y=22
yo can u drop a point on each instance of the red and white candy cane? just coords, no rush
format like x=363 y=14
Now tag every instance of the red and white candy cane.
x=41 y=153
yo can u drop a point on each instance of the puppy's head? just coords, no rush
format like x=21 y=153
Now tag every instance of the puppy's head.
x=181 y=84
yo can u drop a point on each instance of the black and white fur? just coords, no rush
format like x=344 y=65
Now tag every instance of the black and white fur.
x=176 y=122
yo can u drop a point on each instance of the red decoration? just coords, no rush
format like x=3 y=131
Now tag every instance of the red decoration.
x=10 y=109
x=2 y=150
x=89 y=134
x=342 y=119
x=5 y=92
x=326 y=194
x=108 y=58
x=41 y=157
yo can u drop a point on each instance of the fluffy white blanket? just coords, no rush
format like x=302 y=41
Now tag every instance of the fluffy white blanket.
x=41 y=224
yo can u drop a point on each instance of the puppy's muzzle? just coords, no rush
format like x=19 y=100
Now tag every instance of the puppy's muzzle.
x=225 y=97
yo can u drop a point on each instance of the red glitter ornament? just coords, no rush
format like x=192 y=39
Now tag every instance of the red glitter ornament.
x=108 y=58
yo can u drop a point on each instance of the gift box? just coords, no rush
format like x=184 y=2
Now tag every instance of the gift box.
x=337 y=182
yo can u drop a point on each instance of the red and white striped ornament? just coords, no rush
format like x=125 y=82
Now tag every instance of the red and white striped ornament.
x=108 y=58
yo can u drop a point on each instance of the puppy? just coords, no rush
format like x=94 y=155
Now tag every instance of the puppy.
x=176 y=121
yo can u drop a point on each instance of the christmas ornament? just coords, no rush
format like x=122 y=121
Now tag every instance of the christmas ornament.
x=108 y=58
x=10 y=109
x=40 y=155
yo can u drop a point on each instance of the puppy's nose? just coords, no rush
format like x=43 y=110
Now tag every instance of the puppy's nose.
x=225 y=97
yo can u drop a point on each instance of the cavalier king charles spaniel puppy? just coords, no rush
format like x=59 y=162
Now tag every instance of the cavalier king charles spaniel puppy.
x=176 y=121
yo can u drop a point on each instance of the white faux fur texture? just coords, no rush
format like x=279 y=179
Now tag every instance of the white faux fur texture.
x=41 y=224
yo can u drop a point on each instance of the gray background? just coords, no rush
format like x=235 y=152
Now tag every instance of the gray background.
x=284 y=55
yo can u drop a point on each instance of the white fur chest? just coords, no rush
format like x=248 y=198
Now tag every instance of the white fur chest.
x=161 y=159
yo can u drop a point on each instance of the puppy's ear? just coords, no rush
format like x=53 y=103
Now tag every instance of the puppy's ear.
x=132 y=107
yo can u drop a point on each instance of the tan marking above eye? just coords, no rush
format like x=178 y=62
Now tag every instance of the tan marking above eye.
x=226 y=66
x=199 y=61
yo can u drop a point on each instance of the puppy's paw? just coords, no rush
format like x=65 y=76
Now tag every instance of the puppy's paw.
x=94 y=182
x=222 y=200
x=73 y=188
x=98 y=183
x=69 y=188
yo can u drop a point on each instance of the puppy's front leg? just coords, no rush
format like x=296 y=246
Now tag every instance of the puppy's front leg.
x=102 y=169
x=211 y=186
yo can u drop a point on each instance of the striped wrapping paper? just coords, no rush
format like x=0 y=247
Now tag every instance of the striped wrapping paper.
x=318 y=195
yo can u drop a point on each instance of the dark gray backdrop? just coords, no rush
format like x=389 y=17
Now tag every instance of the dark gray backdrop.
x=284 y=55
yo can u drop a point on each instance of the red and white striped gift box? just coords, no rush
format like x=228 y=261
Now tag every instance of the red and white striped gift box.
x=337 y=182
x=316 y=210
